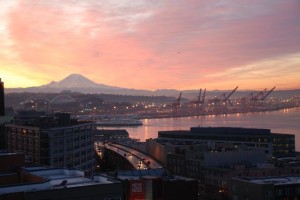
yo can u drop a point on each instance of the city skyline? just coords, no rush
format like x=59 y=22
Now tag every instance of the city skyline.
x=152 y=44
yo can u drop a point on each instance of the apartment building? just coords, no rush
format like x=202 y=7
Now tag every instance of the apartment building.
x=55 y=141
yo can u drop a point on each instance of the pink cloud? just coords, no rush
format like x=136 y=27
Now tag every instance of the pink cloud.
x=174 y=45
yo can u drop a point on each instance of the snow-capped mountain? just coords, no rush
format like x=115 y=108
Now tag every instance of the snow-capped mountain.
x=79 y=83
x=76 y=81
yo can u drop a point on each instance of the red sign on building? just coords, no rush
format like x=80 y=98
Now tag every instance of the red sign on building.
x=137 y=190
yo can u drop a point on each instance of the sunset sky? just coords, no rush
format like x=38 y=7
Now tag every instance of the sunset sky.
x=152 y=44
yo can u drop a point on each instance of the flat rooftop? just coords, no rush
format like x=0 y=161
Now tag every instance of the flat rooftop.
x=281 y=180
x=229 y=130
x=71 y=178
x=136 y=174
x=221 y=131
x=7 y=153
x=55 y=178
x=149 y=174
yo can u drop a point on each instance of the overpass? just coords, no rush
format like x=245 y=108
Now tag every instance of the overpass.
x=136 y=158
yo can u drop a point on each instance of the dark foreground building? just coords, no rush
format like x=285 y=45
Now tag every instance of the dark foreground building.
x=38 y=183
x=156 y=184
x=2 y=105
x=266 y=188
x=214 y=155
x=3 y=119
x=271 y=143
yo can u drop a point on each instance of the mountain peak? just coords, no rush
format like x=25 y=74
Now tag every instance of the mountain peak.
x=73 y=81
x=75 y=76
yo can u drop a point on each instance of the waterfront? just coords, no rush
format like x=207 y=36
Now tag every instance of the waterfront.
x=282 y=121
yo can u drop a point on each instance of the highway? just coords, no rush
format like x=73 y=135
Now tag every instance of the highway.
x=137 y=159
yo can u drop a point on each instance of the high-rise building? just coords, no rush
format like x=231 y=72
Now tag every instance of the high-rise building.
x=2 y=106
x=3 y=119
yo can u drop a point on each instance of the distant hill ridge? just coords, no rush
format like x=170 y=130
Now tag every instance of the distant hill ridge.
x=79 y=83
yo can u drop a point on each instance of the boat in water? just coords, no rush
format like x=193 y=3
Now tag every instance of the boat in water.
x=111 y=120
x=119 y=122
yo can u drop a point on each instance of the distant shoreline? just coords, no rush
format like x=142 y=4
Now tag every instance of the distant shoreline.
x=216 y=114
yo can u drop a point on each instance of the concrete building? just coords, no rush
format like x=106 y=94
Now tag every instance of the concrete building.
x=219 y=178
x=29 y=117
x=201 y=153
x=158 y=150
x=111 y=135
x=155 y=184
x=265 y=188
x=198 y=164
x=271 y=143
x=55 y=141
x=58 y=183
x=214 y=163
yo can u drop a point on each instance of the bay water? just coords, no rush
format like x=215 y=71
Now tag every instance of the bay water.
x=281 y=121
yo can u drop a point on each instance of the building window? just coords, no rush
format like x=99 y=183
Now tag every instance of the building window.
x=298 y=190
x=278 y=192
x=288 y=191
x=269 y=194
x=234 y=188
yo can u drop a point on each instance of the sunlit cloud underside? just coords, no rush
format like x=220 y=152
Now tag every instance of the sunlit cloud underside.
x=152 y=44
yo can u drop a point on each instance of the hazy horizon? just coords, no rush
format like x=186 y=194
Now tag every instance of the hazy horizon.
x=75 y=81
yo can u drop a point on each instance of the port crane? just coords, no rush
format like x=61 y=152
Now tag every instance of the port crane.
x=203 y=97
x=223 y=97
x=177 y=101
x=230 y=94
x=257 y=96
x=200 y=99
x=261 y=96
x=266 y=95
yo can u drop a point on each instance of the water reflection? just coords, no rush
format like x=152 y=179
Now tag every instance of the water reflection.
x=283 y=121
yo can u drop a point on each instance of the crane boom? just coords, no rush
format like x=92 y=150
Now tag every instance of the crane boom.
x=178 y=99
x=203 y=97
x=266 y=95
x=198 y=101
x=230 y=94
x=199 y=96
x=260 y=93
x=256 y=97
